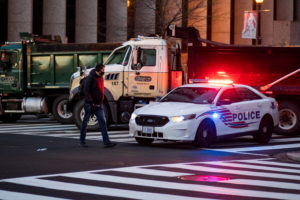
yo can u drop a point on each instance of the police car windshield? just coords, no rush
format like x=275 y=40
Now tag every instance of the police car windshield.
x=198 y=95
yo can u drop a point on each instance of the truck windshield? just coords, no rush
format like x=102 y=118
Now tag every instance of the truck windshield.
x=120 y=56
x=197 y=95
x=8 y=60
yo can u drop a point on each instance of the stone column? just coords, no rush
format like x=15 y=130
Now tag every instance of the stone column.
x=221 y=21
x=54 y=18
x=116 y=21
x=145 y=17
x=86 y=21
x=19 y=18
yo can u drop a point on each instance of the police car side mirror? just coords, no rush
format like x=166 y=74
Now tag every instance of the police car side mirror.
x=222 y=102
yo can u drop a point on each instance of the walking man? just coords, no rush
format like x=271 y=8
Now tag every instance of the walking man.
x=94 y=96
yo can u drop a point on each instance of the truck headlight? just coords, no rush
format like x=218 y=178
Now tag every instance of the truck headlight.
x=181 y=118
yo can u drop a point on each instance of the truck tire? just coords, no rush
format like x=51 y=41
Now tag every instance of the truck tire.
x=78 y=113
x=10 y=118
x=206 y=134
x=289 y=118
x=59 y=110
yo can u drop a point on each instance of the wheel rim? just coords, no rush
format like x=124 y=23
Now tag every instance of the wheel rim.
x=62 y=110
x=287 y=119
x=92 y=120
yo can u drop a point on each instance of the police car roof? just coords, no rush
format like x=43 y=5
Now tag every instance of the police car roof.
x=212 y=85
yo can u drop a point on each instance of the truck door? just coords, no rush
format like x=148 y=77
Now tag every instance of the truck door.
x=143 y=73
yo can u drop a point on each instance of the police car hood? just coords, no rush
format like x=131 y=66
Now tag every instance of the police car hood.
x=172 y=108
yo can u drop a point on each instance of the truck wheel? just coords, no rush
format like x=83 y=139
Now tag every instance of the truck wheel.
x=289 y=118
x=59 y=110
x=206 y=134
x=78 y=113
x=144 y=141
x=264 y=134
x=10 y=118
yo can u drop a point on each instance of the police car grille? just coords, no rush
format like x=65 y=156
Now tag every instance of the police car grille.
x=150 y=120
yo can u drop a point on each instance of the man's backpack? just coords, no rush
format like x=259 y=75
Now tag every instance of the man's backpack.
x=81 y=86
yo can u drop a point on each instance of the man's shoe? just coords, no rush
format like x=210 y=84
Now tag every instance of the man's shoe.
x=110 y=144
x=83 y=145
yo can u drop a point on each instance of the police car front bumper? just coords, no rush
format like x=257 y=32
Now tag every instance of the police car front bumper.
x=176 y=131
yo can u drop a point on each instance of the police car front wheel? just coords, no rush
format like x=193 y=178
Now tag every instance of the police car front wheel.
x=264 y=134
x=206 y=134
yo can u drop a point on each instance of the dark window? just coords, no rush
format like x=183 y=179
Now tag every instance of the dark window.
x=247 y=95
x=3 y=21
x=148 y=57
x=37 y=21
x=101 y=33
x=229 y=95
x=198 y=95
x=71 y=20
x=120 y=56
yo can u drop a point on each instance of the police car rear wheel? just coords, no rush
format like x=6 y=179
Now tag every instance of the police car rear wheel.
x=206 y=134
x=265 y=131
x=144 y=141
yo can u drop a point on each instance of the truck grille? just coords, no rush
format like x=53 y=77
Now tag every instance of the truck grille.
x=151 y=120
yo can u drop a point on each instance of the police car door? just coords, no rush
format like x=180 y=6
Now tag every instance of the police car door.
x=142 y=76
x=231 y=110
x=254 y=107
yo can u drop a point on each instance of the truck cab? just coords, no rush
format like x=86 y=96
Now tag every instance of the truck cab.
x=135 y=74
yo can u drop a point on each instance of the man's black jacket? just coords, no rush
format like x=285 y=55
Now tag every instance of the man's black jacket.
x=92 y=92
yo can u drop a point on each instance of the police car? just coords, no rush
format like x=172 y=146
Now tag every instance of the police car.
x=205 y=112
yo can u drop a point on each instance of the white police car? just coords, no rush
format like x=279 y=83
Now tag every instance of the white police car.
x=204 y=112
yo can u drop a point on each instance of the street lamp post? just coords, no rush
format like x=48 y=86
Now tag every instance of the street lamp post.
x=258 y=10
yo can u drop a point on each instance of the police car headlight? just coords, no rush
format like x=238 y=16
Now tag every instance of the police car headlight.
x=181 y=118
x=133 y=116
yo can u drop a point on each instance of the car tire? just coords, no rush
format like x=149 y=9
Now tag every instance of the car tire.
x=264 y=134
x=144 y=141
x=206 y=134
x=289 y=118
x=59 y=110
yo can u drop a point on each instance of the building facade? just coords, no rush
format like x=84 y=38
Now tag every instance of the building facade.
x=90 y=21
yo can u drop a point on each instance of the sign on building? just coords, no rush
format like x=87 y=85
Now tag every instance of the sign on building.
x=250 y=24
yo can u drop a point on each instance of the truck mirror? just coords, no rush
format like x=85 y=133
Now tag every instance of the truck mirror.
x=137 y=61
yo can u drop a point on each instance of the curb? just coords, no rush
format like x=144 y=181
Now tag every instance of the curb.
x=294 y=155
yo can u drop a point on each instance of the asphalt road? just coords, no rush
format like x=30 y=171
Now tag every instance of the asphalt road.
x=36 y=165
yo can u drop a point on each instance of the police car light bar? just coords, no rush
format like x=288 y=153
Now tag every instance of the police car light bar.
x=198 y=80
x=225 y=81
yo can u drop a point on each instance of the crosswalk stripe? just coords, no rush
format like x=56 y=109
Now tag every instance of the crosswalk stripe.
x=153 y=172
x=72 y=187
x=272 y=163
x=6 y=195
x=181 y=186
x=259 y=183
x=278 y=169
x=234 y=171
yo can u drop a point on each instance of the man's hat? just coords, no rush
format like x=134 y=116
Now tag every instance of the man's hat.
x=98 y=67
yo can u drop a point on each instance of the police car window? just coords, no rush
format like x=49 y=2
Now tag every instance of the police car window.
x=247 y=95
x=230 y=95
x=191 y=95
x=148 y=57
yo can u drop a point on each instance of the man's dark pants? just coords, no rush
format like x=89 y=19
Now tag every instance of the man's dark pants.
x=99 y=112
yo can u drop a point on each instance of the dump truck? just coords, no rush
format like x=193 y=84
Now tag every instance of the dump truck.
x=144 y=68
x=35 y=75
